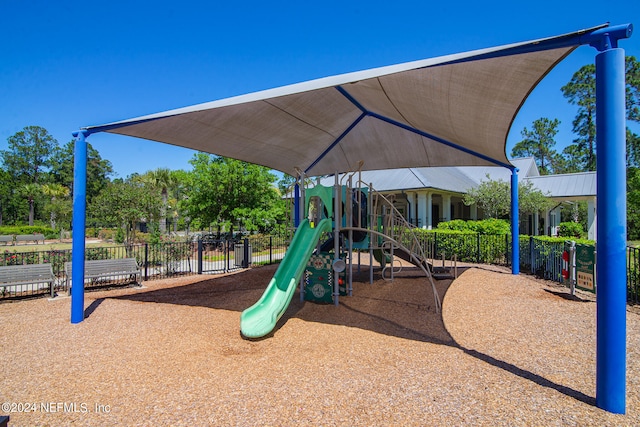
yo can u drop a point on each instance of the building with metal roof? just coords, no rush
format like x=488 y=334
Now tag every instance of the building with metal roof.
x=428 y=196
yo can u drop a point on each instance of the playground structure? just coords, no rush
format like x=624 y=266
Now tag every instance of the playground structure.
x=350 y=216
x=329 y=124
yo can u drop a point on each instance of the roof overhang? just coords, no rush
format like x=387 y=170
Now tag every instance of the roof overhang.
x=454 y=110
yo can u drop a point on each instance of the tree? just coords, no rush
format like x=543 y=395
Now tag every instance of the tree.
x=59 y=206
x=633 y=110
x=29 y=154
x=162 y=180
x=530 y=199
x=31 y=191
x=124 y=204
x=5 y=193
x=178 y=195
x=632 y=75
x=538 y=143
x=570 y=159
x=286 y=183
x=99 y=170
x=228 y=190
x=633 y=149
x=633 y=202
x=494 y=198
x=581 y=91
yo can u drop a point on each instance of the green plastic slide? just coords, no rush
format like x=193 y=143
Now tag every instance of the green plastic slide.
x=260 y=319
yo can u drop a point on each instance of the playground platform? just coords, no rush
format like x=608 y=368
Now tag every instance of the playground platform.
x=506 y=350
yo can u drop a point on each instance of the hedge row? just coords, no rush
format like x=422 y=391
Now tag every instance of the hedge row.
x=481 y=248
x=48 y=232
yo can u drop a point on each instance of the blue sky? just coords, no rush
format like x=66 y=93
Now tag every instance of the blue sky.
x=67 y=64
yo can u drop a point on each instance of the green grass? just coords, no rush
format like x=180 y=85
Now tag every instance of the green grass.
x=221 y=257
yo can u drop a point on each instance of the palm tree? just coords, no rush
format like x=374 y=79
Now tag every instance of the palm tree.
x=162 y=179
x=31 y=191
x=54 y=191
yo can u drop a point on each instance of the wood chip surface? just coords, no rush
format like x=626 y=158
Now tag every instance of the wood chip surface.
x=506 y=351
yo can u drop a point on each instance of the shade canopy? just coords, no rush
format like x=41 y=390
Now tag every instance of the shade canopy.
x=454 y=110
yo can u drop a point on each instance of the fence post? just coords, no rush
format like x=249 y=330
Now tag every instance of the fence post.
x=435 y=245
x=245 y=261
x=572 y=267
x=199 y=256
x=531 y=258
x=146 y=261
x=506 y=250
x=227 y=254
x=270 y=249
x=478 y=248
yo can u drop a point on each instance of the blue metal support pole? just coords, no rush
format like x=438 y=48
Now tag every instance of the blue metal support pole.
x=515 y=229
x=611 y=239
x=79 y=211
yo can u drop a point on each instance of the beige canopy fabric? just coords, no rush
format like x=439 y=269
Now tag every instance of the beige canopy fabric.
x=454 y=110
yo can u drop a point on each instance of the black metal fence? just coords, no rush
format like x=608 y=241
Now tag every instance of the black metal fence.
x=220 y=255
x=469 y=247
x=157 y=261
x=542 y=258
x=169 y=259
x=538 y=256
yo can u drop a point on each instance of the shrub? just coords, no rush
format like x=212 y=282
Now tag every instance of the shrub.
x=570 y=229
x=485 y=226
x=259 y=242
x=19 y=258
x=143 y=238
x=28 y=229
x=106 y=234
x=57 y=258
x=119 y=235
x=456 y=224
x=490 y=226
x=97 y=253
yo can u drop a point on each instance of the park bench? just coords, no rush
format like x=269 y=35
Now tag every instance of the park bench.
x=30 y=238
x=95 y=270
x=30 y=274
x=6 y=239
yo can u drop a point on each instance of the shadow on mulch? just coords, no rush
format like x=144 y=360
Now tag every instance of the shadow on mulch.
x=567 y=296
x=381 y=307
x=403 y=308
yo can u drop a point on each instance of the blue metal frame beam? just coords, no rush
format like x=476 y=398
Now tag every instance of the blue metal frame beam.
x=412 y=129
x=601 y=37
x=440 y=140
x=336 y=142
